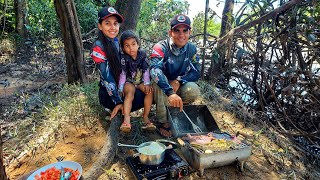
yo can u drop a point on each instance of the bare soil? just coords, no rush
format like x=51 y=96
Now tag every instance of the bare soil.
x=273 y=156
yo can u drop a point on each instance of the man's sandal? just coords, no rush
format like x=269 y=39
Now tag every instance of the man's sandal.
x=164 y=128
x=125 y=127
x=149 y=126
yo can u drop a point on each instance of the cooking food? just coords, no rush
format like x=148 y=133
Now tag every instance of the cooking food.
x=153 y=148
x=54 y=174
x=150 y=153
x=220 y=145
x=201 y=139
x=225 y=136
x=213 y=141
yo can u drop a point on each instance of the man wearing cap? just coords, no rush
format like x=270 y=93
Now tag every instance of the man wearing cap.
x=174 y=68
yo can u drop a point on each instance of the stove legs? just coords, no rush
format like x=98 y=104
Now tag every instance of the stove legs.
x=240 y=165
x=201 y=172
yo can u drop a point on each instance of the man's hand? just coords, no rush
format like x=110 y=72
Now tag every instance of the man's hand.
x=175 y=85
x=175 y=101
x=116 y=110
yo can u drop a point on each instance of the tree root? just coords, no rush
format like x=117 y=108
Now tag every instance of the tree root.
x=108 y=151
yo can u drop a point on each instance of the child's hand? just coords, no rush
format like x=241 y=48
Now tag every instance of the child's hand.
x=147 y=89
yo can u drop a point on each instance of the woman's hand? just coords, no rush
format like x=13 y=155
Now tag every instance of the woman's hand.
x=116 y=110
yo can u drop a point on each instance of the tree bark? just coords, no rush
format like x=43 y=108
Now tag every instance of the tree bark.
x=226 y=24
x=130 y=9
x=73 y=45
x=108 y=151
x=3 y=175
x=20 y=12
x=204 y=38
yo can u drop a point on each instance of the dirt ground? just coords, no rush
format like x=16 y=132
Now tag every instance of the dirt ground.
x=272 y=156
x=83 y=146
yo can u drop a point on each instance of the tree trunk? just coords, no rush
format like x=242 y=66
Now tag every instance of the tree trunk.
x=20 y=12
x=223 y=50
x=3 y=175
x=73 y=45
x=204 y=38
x=258 y=60
x=130 y=9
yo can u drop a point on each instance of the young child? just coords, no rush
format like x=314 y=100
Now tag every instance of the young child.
x=135 y=75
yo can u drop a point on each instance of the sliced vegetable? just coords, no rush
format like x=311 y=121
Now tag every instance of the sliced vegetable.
x=54 y=174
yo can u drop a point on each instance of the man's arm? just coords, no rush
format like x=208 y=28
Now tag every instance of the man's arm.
x=156 y=69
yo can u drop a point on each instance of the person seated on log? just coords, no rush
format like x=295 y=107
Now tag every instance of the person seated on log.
x=105 y=53
x=135 y=76
x=174 y=68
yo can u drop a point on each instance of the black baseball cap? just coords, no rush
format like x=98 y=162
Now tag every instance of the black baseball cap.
x=107 y=12
x=180 y=19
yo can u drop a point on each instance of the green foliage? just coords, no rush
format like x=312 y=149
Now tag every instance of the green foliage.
x=7 y=16
x=72 y=104
x=42 y=18
x=155 y=15
x=308 y=22
x=87 y=14
x=91 y=92
x=44 y=22
x=213 y=27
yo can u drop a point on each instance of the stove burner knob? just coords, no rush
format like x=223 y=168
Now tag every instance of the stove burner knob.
x=184 y=172
x=173 y=173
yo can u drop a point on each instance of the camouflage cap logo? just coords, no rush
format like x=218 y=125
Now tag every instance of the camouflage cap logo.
x=181 y=18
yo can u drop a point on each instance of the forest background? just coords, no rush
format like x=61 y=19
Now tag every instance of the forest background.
x=264 y=57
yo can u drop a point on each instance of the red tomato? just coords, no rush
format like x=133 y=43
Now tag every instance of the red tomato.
x=54 y=174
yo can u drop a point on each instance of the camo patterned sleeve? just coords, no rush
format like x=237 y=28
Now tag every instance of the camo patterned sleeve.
x=106 y=76
x=193 y=71
x=156 y=69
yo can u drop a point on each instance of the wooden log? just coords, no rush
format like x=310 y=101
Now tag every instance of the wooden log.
x=108 y=151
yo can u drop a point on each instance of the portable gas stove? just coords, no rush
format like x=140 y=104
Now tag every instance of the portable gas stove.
x=172 y=167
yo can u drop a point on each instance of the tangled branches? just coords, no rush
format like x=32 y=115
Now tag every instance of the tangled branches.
x=275 y=68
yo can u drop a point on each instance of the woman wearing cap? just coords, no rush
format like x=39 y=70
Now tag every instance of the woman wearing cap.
x=106 y=54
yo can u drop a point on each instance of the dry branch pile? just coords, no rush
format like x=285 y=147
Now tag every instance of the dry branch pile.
x=274 y=67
